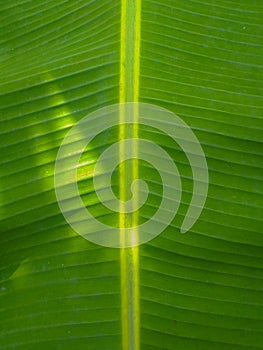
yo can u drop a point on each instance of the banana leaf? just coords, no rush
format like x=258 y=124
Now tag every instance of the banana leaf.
x=60 y=61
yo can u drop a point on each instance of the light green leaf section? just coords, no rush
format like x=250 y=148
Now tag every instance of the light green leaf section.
x=59 y=61
x=202 y=60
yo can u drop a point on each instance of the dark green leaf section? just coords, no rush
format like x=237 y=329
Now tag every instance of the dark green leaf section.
x=203 y=61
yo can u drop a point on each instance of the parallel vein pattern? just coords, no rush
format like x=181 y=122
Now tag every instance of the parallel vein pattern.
x=60 y=60
x=203 y=60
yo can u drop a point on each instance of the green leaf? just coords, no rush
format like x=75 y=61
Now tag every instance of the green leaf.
x=61 y=60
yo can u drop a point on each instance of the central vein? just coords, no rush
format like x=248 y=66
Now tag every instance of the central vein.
x=128 y=171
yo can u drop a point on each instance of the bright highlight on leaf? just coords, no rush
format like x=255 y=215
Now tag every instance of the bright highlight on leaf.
x=79 y=138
